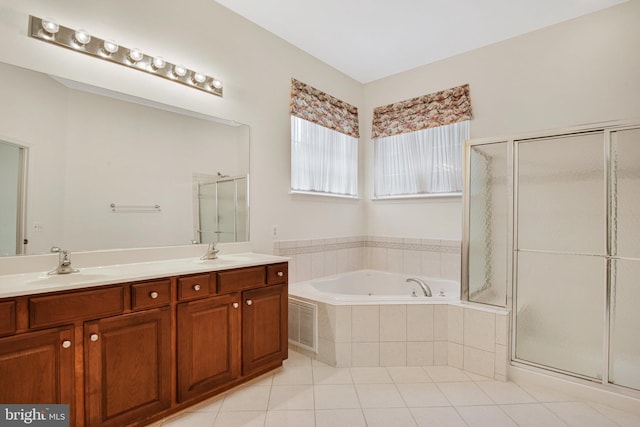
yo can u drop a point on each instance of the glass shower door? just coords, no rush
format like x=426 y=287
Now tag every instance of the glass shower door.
x=624 y=229
x=560 y=253
x=488 y=223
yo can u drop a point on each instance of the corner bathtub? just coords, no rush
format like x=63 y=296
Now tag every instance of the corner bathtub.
x=375 y=287
x=370 y=318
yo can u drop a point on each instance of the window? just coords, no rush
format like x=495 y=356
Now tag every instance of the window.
x=427 y=161
x=418 y=144
x=322 y=160
x=324 y=143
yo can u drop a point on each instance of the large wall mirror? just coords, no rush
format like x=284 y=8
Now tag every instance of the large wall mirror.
x=108 y=171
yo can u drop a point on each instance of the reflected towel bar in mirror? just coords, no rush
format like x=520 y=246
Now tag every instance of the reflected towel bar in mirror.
x=134 y=208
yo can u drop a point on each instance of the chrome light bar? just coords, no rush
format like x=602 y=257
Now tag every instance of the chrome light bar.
x=82 y=41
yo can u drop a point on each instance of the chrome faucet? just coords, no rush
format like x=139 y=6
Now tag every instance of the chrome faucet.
x=425 y=288
x=212 y=252
x=64 y=262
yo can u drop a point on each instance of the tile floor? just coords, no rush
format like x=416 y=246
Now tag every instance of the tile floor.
x=306 y=393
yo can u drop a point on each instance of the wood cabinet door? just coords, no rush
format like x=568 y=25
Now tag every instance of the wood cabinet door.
x=208 y=349
x=37 y=367
x=264 y=327
x=127 y=367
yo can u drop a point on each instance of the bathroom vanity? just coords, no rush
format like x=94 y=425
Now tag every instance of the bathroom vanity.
x=123 y=350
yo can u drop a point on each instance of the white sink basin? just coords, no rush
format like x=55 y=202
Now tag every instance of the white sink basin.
x=217 y=261
x=67 y=279
x=237 y=257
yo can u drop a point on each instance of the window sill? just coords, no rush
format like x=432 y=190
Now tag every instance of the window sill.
x=418 y=196
x=312 y=193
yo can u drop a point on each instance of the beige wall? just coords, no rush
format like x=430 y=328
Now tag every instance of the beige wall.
x=255 y=66
x=581 y=71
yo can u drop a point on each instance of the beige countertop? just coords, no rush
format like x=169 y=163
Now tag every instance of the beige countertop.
x=12 y=285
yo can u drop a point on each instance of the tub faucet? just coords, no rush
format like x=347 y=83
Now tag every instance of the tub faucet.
x=425 y=288
x=212 y=252
x=64 y=262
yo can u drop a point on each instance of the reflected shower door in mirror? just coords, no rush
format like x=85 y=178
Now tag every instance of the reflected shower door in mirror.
x=487 y=230
x=90 y=148
x=222 y=206
x=12 y=186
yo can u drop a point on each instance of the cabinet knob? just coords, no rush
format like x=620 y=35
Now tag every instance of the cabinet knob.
x=66 y=344
x=196 y=287
x=249 y=302
x=235 y=305
x=280 y=273
x=153 y=295
x=93 y=337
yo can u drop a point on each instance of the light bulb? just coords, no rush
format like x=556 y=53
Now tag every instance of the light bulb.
x=109 y=47
x=134 y=55
x=215 y=83
x=50 y=27
x=197 y=78
x=82 y=37
x=158 y=63
x=179 y=71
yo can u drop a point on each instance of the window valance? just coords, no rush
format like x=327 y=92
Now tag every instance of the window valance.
x=437 y=109
x=315 y=106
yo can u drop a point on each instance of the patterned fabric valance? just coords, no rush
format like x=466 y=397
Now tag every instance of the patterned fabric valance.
x=313 y=105
x=436 y=109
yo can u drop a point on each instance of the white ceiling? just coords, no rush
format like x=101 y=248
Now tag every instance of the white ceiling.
x=372 y=39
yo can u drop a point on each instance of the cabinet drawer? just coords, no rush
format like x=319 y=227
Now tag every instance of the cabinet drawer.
x=199 y=285
x=242 y=278
x=277 y=273
x=150 y=294
x=7 y=317
x=69 y=307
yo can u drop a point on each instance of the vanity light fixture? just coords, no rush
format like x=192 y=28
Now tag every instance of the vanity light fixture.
x=179 y=71
x=50 y=27
x=81 y=37
x=158 y=62
x=49 y=31
x=197 y=78
x=109 y=47
x=134 y=56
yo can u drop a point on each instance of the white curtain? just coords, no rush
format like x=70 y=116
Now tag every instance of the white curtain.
x=322 y=160
x=427 y=161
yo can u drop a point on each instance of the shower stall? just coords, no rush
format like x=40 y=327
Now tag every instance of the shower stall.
x=222 y=210
x=552 y=231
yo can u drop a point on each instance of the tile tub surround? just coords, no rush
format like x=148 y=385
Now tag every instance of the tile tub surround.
x=311 y=259
x=461 y=335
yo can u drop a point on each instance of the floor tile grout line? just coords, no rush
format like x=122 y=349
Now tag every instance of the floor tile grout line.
x=313 y=394
x=533 y=403
x=591 y=405
x=214 y=416
x=583 y=402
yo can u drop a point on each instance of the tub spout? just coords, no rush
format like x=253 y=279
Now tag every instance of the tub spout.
x=425 y=288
